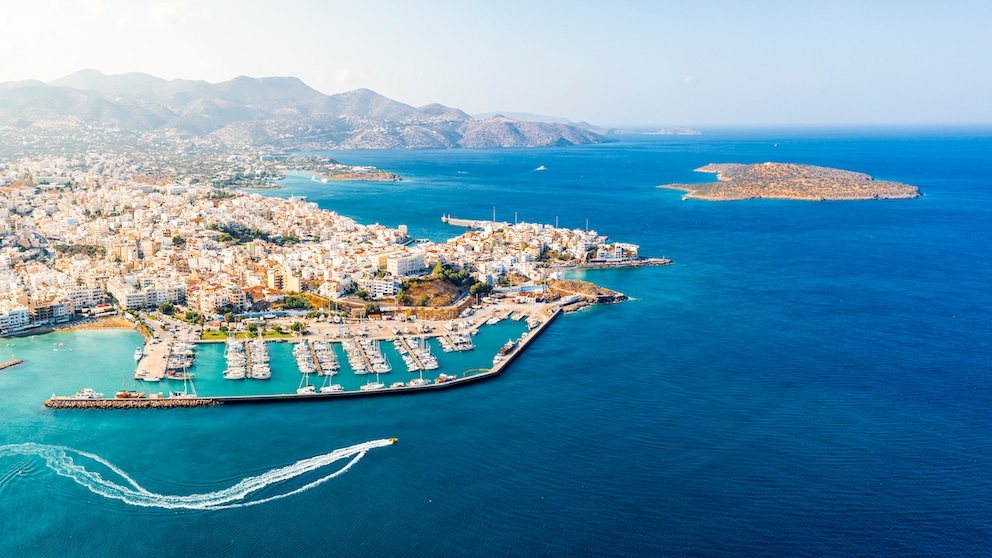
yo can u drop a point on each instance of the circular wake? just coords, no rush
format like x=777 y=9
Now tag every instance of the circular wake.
x=58 y=459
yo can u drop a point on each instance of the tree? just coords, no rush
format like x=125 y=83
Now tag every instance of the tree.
x=362 y=294
x=167 y=308
x=480 y=288
x=229 y=317
x=298 y=327
x=178 y=241
x=252 y=327
x=372 y=308
x=438 y=269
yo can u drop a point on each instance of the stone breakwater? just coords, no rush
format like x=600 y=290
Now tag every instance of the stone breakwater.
x=791 y=181
x=9 y=363
x=144 y=403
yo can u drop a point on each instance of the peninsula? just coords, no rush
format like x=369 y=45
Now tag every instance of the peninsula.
x=791 y=181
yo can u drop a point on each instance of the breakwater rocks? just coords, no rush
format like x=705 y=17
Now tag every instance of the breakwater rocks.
x=9 y=363
x=143 y=403
x=791 y=181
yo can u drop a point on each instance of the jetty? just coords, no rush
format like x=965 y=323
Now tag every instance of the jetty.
x=443 y=382
x=12 y=362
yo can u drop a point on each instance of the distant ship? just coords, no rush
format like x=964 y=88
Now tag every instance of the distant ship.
x=540 y=168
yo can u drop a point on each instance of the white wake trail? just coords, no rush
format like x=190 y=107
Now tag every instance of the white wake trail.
x=58 y=459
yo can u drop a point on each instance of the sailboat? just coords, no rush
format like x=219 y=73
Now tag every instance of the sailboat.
x=373 y=387
x=417 y=382
x=125 y=393
x=188 y=392
x=305 y=387
x=328 y=387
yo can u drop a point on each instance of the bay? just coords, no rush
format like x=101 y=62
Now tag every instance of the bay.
x=806 y=379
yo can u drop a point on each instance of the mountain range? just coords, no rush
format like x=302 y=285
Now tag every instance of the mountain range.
x=278 y=111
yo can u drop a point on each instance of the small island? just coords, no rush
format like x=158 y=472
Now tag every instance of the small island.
x=791 y=181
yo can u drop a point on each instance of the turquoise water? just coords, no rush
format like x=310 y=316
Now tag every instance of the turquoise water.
x=806 y=379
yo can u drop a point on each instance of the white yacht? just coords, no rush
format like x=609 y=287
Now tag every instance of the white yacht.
x=87 y=393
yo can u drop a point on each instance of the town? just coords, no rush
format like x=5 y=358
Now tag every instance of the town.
x=91 y=235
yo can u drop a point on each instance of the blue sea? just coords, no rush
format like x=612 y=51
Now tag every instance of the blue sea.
x=807 y=379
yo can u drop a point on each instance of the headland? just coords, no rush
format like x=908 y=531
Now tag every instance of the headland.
x=791 y=181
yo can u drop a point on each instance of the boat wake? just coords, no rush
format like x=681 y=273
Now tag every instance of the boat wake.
x=60 y=460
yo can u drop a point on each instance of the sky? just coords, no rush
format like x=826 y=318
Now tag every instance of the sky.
x=617 y=63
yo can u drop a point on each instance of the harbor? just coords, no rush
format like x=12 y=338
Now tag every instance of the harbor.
x=88 y=399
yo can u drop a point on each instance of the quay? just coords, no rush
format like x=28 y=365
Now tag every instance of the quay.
x=467 y=377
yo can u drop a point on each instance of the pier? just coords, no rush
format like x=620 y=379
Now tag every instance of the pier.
x=467 y=377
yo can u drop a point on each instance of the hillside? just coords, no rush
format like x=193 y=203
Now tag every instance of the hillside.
x=278 y=111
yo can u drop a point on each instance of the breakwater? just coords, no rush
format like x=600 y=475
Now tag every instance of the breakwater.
x=9 y=363
x=130 y=403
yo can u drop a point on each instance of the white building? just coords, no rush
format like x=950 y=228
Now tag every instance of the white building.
x=401 y=265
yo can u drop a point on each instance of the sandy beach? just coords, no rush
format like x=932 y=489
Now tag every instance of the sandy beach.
x=111 y=322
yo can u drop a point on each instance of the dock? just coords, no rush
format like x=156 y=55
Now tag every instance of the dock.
x=467 y=377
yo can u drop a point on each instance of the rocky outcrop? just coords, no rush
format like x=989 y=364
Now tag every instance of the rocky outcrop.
x=791 y=181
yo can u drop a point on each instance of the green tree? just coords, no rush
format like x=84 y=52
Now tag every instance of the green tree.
x=480 y=288
x=298 y=327
x=372 y=308
x=167 y=308
x=229 y=317
x=178 y=241
x=252 y=327
x=362 y=294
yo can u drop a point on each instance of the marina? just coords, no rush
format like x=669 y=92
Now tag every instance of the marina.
x=307 y=391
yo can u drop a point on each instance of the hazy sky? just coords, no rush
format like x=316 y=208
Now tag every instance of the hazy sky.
x=687 y=62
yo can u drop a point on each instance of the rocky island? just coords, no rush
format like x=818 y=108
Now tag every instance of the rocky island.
x=791 y=181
